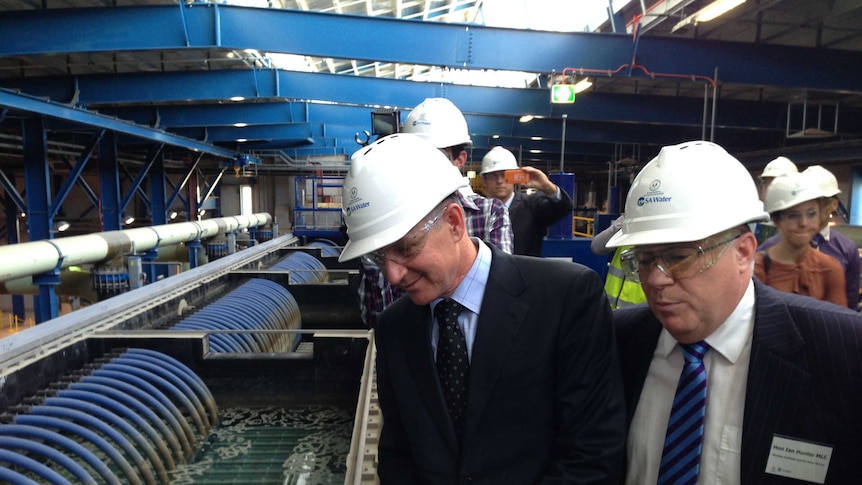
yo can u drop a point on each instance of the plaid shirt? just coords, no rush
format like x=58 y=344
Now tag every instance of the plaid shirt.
x=487 y=219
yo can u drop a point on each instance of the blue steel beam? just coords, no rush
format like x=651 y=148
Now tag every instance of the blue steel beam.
x=213 y=26
x=75 y=173
x=110 y=212
x=135 y=186
x=356 y=94
x=83 y=184
x=32 y=105
x=12 y=194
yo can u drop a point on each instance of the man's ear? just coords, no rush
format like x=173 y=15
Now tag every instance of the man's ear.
x=460 y=160
x=746 y=247
x=455 y=220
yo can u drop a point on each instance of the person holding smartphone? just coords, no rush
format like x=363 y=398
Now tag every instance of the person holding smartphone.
x=532 y=214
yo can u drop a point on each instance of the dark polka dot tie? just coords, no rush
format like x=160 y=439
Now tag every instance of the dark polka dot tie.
x=453 y=365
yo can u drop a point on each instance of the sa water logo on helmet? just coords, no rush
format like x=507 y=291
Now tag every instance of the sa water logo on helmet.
x=653 y=195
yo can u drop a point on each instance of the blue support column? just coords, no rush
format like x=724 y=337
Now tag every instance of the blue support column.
x=12 y=237
x=562 y=229
x=159 y=208
x=109 y=184
x=37 y=183
x=193 y=247
x=153 y=271
x=158 y=190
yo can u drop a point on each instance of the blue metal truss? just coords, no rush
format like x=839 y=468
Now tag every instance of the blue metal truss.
x=215 y=26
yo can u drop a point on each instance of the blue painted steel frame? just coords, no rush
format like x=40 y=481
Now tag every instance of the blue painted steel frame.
x=39 y=218
x=214 y=26
x=33 y=105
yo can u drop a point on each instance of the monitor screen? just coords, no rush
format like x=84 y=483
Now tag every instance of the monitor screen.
x=385 y=122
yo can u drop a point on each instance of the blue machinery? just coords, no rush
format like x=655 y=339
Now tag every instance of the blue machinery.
x=127 y=390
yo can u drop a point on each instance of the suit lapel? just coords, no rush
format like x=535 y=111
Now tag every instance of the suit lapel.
x=500 y=319
x=778 y=371
x=423 y=370
x=636 y=349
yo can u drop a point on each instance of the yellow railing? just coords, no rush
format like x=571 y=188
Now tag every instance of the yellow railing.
x=589 y=223
x=11 y=323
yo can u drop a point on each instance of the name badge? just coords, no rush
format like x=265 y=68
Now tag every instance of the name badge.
x=798 y=459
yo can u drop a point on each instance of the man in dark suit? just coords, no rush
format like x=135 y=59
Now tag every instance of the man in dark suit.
x=535 y=395
x=727 y=381
x=531 y=215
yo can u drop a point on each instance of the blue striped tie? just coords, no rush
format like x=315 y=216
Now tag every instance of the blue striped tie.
x=680 y=459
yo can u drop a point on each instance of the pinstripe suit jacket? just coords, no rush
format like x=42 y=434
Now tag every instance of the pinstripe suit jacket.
x=804 y=379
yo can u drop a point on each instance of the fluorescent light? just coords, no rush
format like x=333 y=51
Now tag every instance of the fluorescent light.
x=715 y=9
x=582 y=85
x=536 y=138
x=129 y=220
x=240 y=125
x=61 y=226
x=495 y=136
x=173 y=215
x=711 y=11
x=526 y=118
x=237 y=98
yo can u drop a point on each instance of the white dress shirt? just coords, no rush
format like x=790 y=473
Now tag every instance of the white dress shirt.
x=727 y=375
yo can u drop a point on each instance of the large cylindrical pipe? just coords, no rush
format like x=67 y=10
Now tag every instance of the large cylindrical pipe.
x=37 y=257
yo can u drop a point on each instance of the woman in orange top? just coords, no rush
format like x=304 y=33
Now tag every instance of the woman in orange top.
x=792 y=265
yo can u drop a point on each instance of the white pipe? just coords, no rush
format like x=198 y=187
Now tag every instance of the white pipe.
x=37 y=257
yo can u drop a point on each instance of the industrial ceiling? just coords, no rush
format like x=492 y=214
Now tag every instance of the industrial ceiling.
x=770 y=77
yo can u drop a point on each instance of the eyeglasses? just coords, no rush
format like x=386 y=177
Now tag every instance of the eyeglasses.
x=798 y=217
x=406 y=248
x=677 y=262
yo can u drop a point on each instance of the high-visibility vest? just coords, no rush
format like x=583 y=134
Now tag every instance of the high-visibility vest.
x=621 y=291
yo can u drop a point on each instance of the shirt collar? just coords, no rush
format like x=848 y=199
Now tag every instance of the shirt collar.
x=731 y=337
x=471 y=289
x=508 y=201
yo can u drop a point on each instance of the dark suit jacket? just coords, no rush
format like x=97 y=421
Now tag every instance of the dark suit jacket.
x=531 y=215
x=545 y=403
x=804 y=379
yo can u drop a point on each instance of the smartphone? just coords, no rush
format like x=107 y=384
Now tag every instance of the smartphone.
x=517 y=176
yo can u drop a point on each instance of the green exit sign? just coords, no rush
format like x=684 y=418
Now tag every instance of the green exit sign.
x=563 y=93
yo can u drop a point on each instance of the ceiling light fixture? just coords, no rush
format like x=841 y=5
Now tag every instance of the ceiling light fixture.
x=582 y=85
x=711 y=11
x=526 y=118
x=61 y=226
x=128 y=220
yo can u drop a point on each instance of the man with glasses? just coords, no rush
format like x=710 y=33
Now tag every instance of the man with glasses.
x=494 y=369
x=728 y=381
x=440 y=123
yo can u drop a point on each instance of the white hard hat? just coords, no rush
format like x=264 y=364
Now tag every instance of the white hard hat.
x=439 y=122
x=824 y=179
x=379 y=207
x=687 y=193
x=778 y=167
x=498 y=158
x=790 y=190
